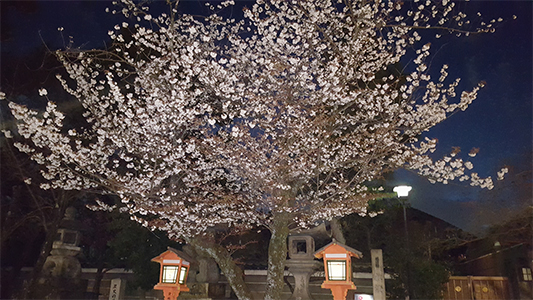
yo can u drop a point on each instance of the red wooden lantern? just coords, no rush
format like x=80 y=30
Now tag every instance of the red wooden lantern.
x=338 y=268
x=173 y=273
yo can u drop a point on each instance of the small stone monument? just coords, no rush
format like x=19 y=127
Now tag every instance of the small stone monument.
x=117 y=289
x=378 y=274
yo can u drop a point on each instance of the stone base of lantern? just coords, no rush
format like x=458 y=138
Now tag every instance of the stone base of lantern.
x=301 y=270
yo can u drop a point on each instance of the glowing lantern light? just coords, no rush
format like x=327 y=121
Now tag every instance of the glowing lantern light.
x=173 y=273
x=338 y=267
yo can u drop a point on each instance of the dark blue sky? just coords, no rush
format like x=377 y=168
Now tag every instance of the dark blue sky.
x=499 y=122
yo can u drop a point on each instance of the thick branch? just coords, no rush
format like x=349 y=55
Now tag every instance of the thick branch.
x=233 y=273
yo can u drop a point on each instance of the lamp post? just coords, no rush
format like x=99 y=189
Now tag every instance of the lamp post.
x=338 y=268
x=403 y=192
x=173 y=273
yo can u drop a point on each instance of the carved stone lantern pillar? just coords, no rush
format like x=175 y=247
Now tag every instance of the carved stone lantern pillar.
x=301 y=264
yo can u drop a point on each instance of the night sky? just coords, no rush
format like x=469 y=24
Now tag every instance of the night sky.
x=499 y=122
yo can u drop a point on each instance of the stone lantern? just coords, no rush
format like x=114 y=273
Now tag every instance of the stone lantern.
x=61 y=274
x=301 y=264
x=338 y=268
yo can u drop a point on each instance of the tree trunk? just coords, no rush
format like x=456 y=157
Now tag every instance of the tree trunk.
x=98 y=281
x=369 y=238
x=277 y=255
x=336 y=230
x=233 y=273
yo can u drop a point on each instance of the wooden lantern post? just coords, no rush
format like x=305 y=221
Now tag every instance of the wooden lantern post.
x=173 y=273
x=338 y=268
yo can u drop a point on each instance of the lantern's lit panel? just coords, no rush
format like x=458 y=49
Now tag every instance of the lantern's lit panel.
x=183 y=272
x=170 y=273
x=337 y=270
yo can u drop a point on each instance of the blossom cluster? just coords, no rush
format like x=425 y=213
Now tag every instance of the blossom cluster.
x=292 y=109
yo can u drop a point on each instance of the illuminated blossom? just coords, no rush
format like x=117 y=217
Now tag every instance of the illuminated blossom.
x=208 y=121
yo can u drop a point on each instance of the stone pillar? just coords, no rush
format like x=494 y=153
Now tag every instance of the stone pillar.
x=117 y=289
x=378 y=275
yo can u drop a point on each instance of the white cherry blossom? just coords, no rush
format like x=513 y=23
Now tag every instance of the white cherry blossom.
x=287 y=112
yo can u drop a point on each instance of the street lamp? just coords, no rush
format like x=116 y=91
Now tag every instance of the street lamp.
x=403 y=191
x=338 y=268
x=173 y=273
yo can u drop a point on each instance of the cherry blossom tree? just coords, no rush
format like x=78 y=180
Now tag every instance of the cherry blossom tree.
x=278 y=119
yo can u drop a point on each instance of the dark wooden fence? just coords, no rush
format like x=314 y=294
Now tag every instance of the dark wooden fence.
x=477 y=287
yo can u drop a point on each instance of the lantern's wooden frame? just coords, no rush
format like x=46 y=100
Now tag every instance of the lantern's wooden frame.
x=172 y=258
x=337 y=252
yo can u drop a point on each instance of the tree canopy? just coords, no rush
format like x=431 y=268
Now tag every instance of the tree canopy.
x=279 y=118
